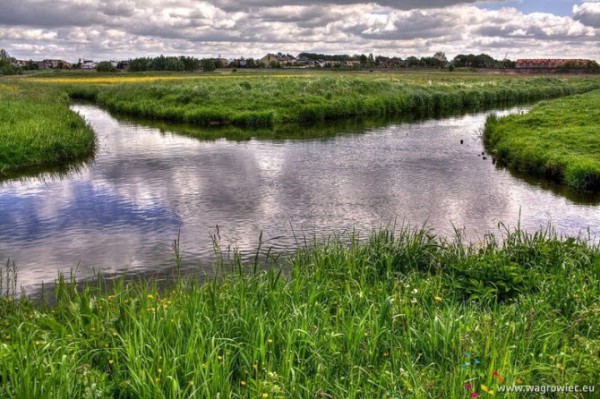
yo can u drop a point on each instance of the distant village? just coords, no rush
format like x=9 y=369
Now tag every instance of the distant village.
x=303 y=61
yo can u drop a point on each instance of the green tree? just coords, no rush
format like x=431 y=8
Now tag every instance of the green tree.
x=6 y=67
x=31 y=66
x=208 y=65
x=139 y=64
x=440 y=59
x=363 y=60
x=412 y=61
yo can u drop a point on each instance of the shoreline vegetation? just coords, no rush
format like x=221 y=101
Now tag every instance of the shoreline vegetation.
x=39 y=131
x=395 y=314
x=42 y=132
x=557 y=139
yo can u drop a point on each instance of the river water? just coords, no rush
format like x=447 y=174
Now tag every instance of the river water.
x=146 y=185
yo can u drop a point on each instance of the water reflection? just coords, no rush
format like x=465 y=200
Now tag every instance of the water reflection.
x=124 y=210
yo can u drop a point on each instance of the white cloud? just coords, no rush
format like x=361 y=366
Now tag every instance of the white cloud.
x=131 y=28
x=588 y=13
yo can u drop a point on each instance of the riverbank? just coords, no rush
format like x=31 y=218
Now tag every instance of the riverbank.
x=39 y=131
x=557 y=139
x=399 y=315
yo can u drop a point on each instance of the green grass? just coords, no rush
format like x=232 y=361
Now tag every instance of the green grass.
x=38 y=129
x=267 y=101
x=558 y=139
x=404 y=315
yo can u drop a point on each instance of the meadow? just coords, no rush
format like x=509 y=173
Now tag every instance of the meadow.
x=557 y=139
x=400 y=314
x=39 y=131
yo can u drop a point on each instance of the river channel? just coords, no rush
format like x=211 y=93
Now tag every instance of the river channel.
x=146 y=186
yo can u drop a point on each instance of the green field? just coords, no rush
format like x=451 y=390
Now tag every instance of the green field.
x=558 y=139
x=39 y=131
x=403 y=315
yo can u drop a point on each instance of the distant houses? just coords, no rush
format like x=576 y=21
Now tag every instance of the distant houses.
x=87 y=64
x=56 y=64
x=281 y=60
x=278 y=60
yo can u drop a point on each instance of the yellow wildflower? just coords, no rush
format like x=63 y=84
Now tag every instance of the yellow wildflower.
x=485 y=389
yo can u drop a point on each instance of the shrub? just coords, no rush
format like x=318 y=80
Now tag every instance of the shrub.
x=105 y=66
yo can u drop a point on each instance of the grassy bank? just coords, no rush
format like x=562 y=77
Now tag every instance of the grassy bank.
x=558 y=139
x=398 y=316
x=267 y=100
x=38 y=129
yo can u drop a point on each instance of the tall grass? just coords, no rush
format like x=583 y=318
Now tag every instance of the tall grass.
x=400 y=314
x=269 y=100
x=39 y=130
x=558 y=139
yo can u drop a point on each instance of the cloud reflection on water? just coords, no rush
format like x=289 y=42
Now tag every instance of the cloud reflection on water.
x=125 y=209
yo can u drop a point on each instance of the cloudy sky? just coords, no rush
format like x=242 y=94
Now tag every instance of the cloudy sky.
x=121 y=29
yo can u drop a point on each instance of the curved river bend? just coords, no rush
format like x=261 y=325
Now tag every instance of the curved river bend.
x=125 y=210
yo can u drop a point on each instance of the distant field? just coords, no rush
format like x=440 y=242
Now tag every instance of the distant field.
x=558 y=139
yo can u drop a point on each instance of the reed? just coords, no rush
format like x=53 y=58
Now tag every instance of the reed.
x=395 y=314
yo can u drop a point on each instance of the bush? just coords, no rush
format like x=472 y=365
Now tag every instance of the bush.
x=105 y=66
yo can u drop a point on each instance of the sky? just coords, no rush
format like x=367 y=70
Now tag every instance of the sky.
x=124 y=29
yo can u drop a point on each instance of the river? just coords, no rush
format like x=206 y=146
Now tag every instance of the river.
x=146 y=186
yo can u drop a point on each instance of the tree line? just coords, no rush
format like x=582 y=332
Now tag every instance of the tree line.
x=190 y=64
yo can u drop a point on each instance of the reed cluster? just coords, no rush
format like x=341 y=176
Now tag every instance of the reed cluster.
x=398 y=314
